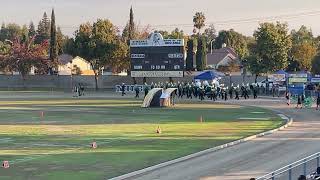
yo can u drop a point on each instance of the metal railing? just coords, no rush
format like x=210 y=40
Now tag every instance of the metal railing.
x=294 y=170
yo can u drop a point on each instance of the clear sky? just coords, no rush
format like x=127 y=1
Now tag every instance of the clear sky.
x=241 y=15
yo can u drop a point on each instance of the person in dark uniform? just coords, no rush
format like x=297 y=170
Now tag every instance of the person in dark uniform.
x=288 y=97
x=226 y=94
x=255 y=92
x=318 y=101
x=237 y=93
x=299 y=102
x=146 y=89
x=231 y=91
x=201 y=93
x=137 y=90
x=123 y=89
x=180 y=89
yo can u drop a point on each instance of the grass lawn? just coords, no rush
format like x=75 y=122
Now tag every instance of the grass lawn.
x=57 y=146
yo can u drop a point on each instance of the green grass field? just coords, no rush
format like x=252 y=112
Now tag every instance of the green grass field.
x=57 y=146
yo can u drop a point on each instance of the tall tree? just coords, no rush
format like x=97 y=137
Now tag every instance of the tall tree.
x=61 y=40
x=131 y=28
x=53 y=40
x=25 y=55
x=176 y=34
x=316 y=65
x=32 y=30
x=201 y=55
x=99 y=45
x=10 y=32
x=254 y=65
x=69 y=46
x=302 y=35
x=190 y=54
x=210 y=35
x=234 y=40
x=303 y=54
x=199 y=21
x=273 y=45
x=24 y=34
x=304 y=47
x=43 y=31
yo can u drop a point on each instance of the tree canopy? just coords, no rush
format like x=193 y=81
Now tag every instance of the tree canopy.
x=199 y=21
x=101 y=47
x=22 y=56
x=234 y=40
x=273 y=46
x=43 y=31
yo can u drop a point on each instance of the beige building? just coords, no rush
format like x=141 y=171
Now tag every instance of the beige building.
x=76 y=66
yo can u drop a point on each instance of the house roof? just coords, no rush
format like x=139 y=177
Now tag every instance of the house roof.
x=65 y=59
x=220 y=54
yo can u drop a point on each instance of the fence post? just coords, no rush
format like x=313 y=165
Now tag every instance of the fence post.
x=304 y=167
x=290 y=172
x=272 y=176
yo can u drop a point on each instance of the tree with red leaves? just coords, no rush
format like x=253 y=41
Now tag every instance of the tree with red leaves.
x=23 y=55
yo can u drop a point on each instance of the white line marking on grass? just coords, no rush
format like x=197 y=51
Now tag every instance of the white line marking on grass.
x=283 y=117
x=256 y=112
x=259 y=118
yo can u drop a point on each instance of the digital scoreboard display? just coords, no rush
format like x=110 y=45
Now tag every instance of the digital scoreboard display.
x=157 y=57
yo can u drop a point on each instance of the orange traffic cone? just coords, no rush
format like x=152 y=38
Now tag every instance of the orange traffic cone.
x=5 y=164
x=159 y=130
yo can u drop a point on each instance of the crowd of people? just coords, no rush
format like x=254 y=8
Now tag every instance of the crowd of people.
x=301 y=100
x=201 y=90
x=214 y=91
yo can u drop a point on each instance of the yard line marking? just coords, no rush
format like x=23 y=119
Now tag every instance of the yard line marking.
x=248 y=118
x=283 y=117
x=256 y=112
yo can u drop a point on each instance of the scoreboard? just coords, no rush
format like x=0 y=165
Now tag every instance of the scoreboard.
x=157 y=57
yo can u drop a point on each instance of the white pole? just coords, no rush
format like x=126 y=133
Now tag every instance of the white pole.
x=211 y=42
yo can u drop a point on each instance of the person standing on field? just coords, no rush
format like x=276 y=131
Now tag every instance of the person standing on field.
x=288 y=98
x=137 y=90
x=123 y=89
x=318 y=101
x=146 y=89
x=299 y=102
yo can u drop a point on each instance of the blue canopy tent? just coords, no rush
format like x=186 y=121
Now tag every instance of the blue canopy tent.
x=209 y=75
x=282 y=72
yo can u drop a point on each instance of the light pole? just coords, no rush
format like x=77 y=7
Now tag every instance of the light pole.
x=211 y=43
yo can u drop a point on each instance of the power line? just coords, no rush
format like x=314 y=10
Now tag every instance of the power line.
x=227 y=22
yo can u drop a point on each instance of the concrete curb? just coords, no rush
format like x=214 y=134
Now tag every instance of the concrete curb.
x=288 y=120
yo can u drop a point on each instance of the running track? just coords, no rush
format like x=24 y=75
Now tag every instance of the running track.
x=252 y=158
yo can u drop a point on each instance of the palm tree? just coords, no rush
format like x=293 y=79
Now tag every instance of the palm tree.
x=198 y=20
